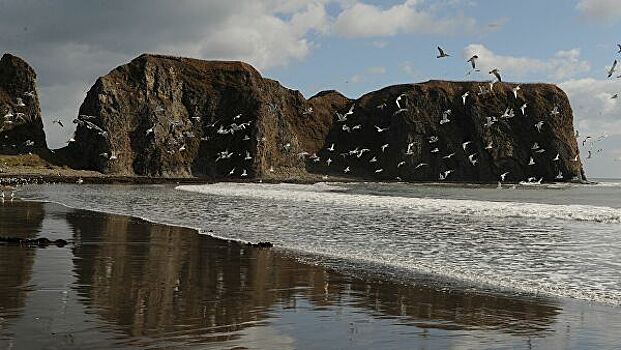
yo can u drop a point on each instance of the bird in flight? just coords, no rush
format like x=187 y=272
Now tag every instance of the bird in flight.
x=612 y=69
x=442 y=54
x=473 y=62
x=59 y=122
x=496 y=73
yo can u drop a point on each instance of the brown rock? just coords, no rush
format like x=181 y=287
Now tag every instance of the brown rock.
x=425 y=103
x=21 y=127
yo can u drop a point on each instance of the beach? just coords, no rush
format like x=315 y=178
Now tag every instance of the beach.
x=124 y=282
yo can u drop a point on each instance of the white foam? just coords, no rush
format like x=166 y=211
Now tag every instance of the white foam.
x=331 y=194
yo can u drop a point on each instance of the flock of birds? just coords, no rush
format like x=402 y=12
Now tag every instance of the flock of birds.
x=176 y=136
x=400 y=106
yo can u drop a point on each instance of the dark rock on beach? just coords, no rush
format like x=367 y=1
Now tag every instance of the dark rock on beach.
x=21 y=127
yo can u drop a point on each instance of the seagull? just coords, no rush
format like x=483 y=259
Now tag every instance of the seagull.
x=232 y=172
x=490 y=145
x=399 y=111
x=182 y=148
x=441 y=52
x=381 y=129
x=575 y=159
x=331 y=149
x=612 y=69
x=329 y=161
x=420 y=165
x=541 y=150
x=71 y=140
x=619 y=45
x=535 y=146
x=357 y=127
x=449 y=156
x=465 y=144
x=237 y=116
x=464 y=96
x=435 y=150
x=80 y=181
x=539 y=125
x=384 y=147
x=515 y=91
x=473 y=61
x=346 y=128
x=400 y=164
x=351 y=110
x=503 y=176
x=555 y=111
x=472 y=160
x=59 y=122
x=340 y=117
x=508 y=113
x=433 y=139
x=445 y=118
x=399 y=99
x=373 y=160
x=496 y=73
x=20 y=102
x=523 y=109
x=557 y=158
x=615 y=96
x=559 y=176
x=382 y=106
x=379 y=171
x=248 y=156
x=346 y=170
x=531 y=161
x=244 y=173
x=29 y=94
x=149 y=131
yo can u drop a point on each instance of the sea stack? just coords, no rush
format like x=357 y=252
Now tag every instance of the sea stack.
x=175 y=117
x=436 y=128
x=21 y=127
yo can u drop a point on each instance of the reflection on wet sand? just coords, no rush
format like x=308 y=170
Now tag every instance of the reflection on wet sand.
x=155 y=285
x=21 y=220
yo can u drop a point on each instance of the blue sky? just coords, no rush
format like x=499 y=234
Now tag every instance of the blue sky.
x=354 y=46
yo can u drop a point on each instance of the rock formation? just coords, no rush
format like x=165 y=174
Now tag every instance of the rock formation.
x=170 y=116
x=21 y=127
x=432 y=131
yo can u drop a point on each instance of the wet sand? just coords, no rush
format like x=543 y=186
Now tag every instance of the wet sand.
x=127 y=283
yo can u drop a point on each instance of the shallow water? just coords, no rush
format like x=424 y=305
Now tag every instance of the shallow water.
x=127 y=283
x=556 y=240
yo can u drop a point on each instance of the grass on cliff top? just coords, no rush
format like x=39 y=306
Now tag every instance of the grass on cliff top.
x=24 y=160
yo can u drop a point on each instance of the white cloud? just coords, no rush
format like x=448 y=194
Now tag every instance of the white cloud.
x=362 y=77
x=600 y=9
x=364 y=20
x=595 y=112
x=563 y=65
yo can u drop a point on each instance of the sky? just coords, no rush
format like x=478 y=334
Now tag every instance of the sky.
x=354 y=46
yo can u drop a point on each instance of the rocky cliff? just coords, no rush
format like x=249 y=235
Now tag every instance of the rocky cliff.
x=458 y=131
x=170 y=116
x=21 y=127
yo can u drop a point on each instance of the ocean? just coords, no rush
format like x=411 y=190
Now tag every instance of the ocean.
x=438 y=265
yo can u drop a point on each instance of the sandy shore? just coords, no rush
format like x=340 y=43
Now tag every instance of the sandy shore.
x=123 y=282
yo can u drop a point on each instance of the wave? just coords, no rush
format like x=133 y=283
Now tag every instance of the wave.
x=338 y=195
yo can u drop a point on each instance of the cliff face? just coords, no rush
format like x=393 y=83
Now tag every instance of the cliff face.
x=168 y=116
x=432 y=134
x=21 y=127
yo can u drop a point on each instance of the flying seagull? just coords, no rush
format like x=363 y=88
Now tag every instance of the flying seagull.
x=515 y=91
x=496 y=73
x=612 y=69
x=523 y=109
x=503 y=176
x=464 y=96
x=59 y=122
x=441 y=52
x=619 y=45
x=473 y=61
x=399 y=99
x=381 y=129
x=465 y=144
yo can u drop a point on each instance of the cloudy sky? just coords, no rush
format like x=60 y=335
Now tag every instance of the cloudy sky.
x=354 y=46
